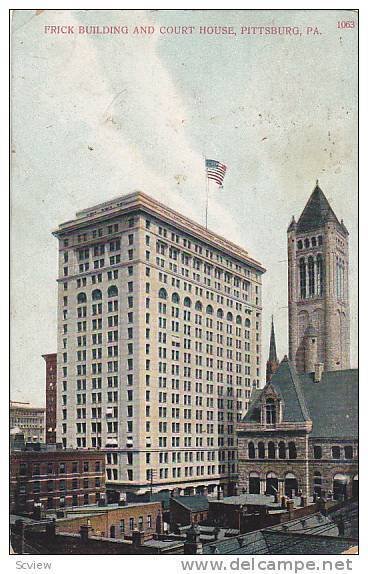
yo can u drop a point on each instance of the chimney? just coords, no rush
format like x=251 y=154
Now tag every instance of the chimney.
x=84 y=532
x=318 y=372
x=137 y=538
x=51 y=529
x=290 y=507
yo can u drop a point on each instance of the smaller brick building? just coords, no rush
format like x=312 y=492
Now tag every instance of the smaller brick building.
x=117 y=521
x=188 y=509
x=55 y=479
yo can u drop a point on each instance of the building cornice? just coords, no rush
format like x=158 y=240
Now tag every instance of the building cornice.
x=139 y=201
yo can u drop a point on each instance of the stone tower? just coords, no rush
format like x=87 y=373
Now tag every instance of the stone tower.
x=318 y=287
x=273 y=362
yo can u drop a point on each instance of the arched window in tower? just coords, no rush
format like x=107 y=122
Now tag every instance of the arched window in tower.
x=340 y=271
x=319 y=269
x=342 y=279
x=302 y=278
x=300 y=244
x=270 y=412
x=251 y=450
x=311 y=277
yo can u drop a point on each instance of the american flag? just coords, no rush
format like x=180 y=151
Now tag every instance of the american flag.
x=215 y=170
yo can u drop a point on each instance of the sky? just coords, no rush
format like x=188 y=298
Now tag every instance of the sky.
x=99 y=116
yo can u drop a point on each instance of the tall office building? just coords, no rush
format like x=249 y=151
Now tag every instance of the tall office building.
x=159 y=344
x=318 y=274
x=51 y=389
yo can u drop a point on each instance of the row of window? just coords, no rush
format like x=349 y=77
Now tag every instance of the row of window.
x=58 y=468
x=312 y=242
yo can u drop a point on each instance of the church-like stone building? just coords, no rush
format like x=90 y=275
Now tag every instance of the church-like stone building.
x=300 y=433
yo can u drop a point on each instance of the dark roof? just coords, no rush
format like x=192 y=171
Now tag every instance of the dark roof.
x=317 y=212
x=331 y=404
x=314 y=534
x=286 y=383
x=197 y=503
x=249 y=499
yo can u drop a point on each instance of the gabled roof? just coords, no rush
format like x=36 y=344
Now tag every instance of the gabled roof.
x=331 y=404
x=317 y=212
x=286 y=383
x=195 y=503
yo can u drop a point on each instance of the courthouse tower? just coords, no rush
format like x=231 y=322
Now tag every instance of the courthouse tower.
x=318 y=295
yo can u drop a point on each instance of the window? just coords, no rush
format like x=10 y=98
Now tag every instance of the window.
x=163 y=293
x=251 y=450
x=319 y=271
x=131 y=523
x=261 y=450
x=271 y=450
x=311 y=278
x=96 y=295
x=270 y=412
x=336 y=452
x=292 y=450
x=317 y=451
x=112 y=291
x=348 y=452
x=81 y=298
x=302 y=278
x=282 y=450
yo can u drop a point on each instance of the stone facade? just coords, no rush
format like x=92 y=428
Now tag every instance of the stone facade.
x=318 y=285
x=300 y=436
x=29 y=420
x=159 y=344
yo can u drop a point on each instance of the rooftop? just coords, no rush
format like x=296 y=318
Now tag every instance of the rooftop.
x=195 y=503
x=139 y=201
x=331 y=404
x=317 y=213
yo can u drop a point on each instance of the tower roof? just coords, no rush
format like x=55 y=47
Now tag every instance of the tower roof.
x=317 y=212
x=273 y=354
